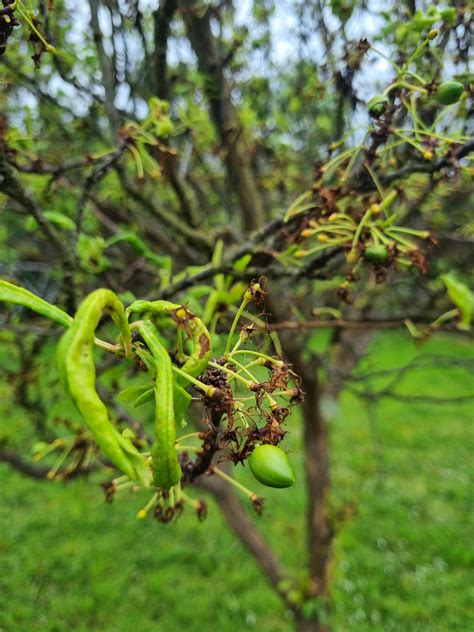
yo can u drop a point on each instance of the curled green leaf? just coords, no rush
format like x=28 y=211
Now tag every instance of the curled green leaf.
x=197 y=362
x=77 y=371
x=165 y=466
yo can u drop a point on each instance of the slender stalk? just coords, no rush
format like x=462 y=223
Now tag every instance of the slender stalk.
x=208 y=390
x=251 y=495
x=243 y=305
x=246 y=383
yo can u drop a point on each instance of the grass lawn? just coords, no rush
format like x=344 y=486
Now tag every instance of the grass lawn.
x=403 y=554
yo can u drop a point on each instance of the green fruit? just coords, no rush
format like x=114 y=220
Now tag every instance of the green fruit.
x=449 y=92
x=377 y=105
x=376 y=254
x=271 y=466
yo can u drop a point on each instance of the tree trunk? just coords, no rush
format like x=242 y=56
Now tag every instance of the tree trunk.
x=316 y=449
x=223 y=114
x=310 y=625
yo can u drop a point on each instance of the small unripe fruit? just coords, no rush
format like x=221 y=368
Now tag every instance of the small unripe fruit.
x=376 y=254
x=449 y=92
x=271 y=466
x=377 y=105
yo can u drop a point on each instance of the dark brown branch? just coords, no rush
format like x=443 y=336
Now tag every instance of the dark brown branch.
x=194 y=236
x=346 y=324
x=239 y=521
x=430 y=167
x=107 y=68
x=32 y=470
x=92 y=179
x=19 y=463
x=162 y=22
x=14 y=189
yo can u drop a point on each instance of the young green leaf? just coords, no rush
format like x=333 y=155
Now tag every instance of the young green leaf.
x=77 y=371
x=166 y=469
x=10 y=293
x=462 y=297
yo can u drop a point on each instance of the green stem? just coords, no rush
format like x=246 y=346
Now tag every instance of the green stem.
x=267 y=358
x=422 y=234
x=31 y=25
x=251 y=495
x=361 y=225
x=143 y=512
x=247 y=383
x=188 y=436
x=138 y=161
x=445 y=317
x=208 y=390
x=409 y=244
x=188 y=448
x=243 y=305
x=383 y=238
x=243 y=369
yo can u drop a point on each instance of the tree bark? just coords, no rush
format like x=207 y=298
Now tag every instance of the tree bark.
x=162 y=21
x=106 y=67
x=240 y=523
x=223 y=114
x=316 y=449
x=310 y=625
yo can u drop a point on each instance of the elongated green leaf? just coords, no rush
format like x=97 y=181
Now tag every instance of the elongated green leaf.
x=77 y=371
x=132 y=395
x=10 y=293
x=181 y=399
x=165 y=465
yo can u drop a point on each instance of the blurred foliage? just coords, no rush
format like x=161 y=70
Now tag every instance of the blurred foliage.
x=401 y=500
x=338 y=121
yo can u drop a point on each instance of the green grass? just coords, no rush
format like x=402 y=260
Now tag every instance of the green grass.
x=403 y=552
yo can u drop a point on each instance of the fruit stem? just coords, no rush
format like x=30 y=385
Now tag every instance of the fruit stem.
x=243 y=305
x=233 y=374
x=251 y=495
x=208 y=390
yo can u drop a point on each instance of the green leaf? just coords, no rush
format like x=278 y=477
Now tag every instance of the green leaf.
x=140 y=247
x=182 y=399
x=61 y=220
x=90 y=252
x=462 y=297
x=10 y=293
x=138 y=395
x=132 y=395
x=241 y=263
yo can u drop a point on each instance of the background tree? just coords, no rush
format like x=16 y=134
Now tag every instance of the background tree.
x=313 y=151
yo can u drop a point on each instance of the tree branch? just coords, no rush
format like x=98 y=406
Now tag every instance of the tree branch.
x=240 y=523
x=107 y=68
x=14 y=189
x=222 y=111
x=430 y=167
x=162 y=23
